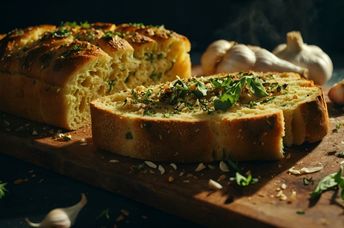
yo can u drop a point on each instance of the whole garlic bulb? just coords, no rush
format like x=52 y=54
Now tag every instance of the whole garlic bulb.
x=336 y=93
x=238 y=58
x=61 y=217
x=223 y=56
x=317 y=62
x=214 y=54
x=266 y=61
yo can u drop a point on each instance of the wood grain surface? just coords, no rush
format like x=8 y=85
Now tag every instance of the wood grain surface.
x=189 y=195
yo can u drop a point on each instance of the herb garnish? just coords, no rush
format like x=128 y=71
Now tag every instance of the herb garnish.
x=240 y=179
x=104 y=213
x=232 y=90
x=177 y=92
x=329 y=182
x=245 y=181
x=60 y=33
x=111 y=84
x=84 y=24
x=201 y=90
x=109 y=34
x=3 y=189
x=338 y=126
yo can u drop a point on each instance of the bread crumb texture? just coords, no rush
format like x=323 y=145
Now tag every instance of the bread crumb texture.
x=51 y=73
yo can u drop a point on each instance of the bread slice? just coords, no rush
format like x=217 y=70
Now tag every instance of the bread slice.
x=50 y=74
x=244 y=116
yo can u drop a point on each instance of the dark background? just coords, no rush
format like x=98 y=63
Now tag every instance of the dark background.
x=263 y=23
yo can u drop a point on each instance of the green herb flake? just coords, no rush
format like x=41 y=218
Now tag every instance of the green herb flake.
x=140 y=25
x=104 y=214
x=111 y=84
x=3 y=189
x=148 y=112
x=300 y=212
x=85 y=24
x=201 y=90
x=330 y=181
x=338 y=126
x=61 y=33
x=244 y=181
x=232 y=90
x=147 y=94
x=129 y=135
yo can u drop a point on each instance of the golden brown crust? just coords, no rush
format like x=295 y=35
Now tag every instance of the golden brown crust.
x=257 y=138
x=45 y=59
x=316 y=119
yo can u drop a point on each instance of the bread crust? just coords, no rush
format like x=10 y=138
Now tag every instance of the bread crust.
x=256 y=138
x=40 y=65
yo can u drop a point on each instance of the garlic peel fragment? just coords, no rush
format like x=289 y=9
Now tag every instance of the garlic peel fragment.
x=305 y=170
x=61 y=217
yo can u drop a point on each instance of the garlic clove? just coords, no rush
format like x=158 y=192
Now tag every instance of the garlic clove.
x=238 y=58
x=336 y=93
x=312 y=57
x=213 y=55
x=61 y=217
x=267 y=61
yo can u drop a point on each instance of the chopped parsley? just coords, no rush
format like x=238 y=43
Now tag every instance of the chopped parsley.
x=231 y=91
x=75 y=48
x=108 y=35
x=206 y=95
x=111 y=84
x=84 y=24
x=3 y=189
x=243 y=181
x=61 y=33
x=330 y=181
x=104 y=214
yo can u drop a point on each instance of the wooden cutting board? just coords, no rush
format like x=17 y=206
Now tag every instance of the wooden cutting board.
x=188 y=195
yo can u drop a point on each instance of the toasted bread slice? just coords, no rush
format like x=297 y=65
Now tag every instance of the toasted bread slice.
x=241 y=116
x=50 y=74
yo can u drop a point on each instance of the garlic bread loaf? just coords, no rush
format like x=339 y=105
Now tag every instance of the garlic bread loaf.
x=244 y=116
x=50 y=73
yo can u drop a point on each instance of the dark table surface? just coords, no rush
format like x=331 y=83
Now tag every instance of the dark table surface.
x=33 y=191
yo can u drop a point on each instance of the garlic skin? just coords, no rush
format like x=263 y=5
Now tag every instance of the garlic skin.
x=61 y=217
x=266 y=61
x=238 y=58
x=336 y=93
x=213 y=55
x=317 y=62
